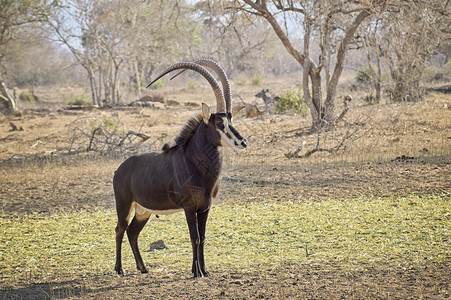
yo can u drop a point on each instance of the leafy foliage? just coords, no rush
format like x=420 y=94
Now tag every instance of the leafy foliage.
x=82 y=99
x=363 y=76
x=26 y=96
x=292 y=101
x=157 y=85
x=257 y=81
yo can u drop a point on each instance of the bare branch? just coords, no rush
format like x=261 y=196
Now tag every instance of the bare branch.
x=342 y=143
x=263 y=10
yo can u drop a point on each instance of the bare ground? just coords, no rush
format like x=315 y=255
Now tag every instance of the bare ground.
x=399 y=150
x=294 y=282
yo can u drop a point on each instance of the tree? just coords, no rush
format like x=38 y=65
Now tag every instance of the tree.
x=237 y=40
x=371 y=41
x=156 y=34
x=15 y=16
x=410 y=33
x=332 y=23
x=34 y=60
x=120 y=40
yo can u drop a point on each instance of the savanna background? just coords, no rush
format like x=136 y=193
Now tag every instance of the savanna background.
x=343 y=192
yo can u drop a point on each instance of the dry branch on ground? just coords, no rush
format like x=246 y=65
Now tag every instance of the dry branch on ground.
x=105 y=142
x=346 y=138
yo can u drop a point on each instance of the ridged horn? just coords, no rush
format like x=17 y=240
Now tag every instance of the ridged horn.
x=222 y=76
x=202 y=71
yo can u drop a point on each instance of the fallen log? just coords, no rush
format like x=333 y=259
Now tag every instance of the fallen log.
x=445 y=89
x=82 y=107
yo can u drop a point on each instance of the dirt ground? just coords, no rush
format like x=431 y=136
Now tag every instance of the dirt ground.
x=299 y=282
x=395 y=150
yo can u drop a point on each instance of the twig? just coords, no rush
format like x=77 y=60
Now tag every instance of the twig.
x=143 y=137
x=93 y=135
x=317 y=148
x=296 y=152
x=346 y=101
x=107 y=142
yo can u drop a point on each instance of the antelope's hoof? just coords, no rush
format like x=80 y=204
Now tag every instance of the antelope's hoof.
x=205 y=274
x=119 y=271
x=201 y=274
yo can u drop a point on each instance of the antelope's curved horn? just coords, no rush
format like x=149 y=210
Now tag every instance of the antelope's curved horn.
x=202 y=71
x=222 y=76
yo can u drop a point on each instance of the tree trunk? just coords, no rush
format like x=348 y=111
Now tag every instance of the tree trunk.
x=378 y=79
x=329 y=104
x=92 y=83
x=319 y=119
x=317 y=92
x=7 y=102
x=114 y=88
x=312 y=102
x=371 y=42
x=312 y=71
x=114 y=84
x=137 y=78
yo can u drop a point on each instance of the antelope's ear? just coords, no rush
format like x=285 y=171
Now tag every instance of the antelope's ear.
x=206 y=113
x=237 y=109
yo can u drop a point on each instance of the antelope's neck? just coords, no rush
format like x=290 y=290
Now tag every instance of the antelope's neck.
x=205 y=157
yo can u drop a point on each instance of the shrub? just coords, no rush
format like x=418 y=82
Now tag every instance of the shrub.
x=363 y=76
x=107 y=124
x=191 y=84
x=157 y=85
x=292 y=101
x=82 y=99
x=26 y=96
x=257 y=81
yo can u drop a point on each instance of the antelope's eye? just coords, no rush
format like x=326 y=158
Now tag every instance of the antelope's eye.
x=220 y=124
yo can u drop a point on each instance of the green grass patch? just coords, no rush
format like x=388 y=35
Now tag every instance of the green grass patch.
x=81 y=100
x=358 y=233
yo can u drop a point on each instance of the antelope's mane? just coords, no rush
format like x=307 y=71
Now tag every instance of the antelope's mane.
x=185 y=136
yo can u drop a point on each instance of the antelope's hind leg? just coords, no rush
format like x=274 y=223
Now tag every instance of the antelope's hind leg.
x=122 y=223
x=133 y=230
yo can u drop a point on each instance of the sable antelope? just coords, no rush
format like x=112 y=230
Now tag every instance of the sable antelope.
x=183 y=177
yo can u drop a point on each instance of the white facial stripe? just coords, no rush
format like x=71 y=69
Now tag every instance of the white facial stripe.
x=226 y=141
x=228 y=137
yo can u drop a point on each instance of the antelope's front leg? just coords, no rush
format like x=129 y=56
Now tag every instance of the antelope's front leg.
x=191 y=218
x=201 y=224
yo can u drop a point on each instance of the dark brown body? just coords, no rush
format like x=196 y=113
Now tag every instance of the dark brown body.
x=184 y=177
x=153 y=187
